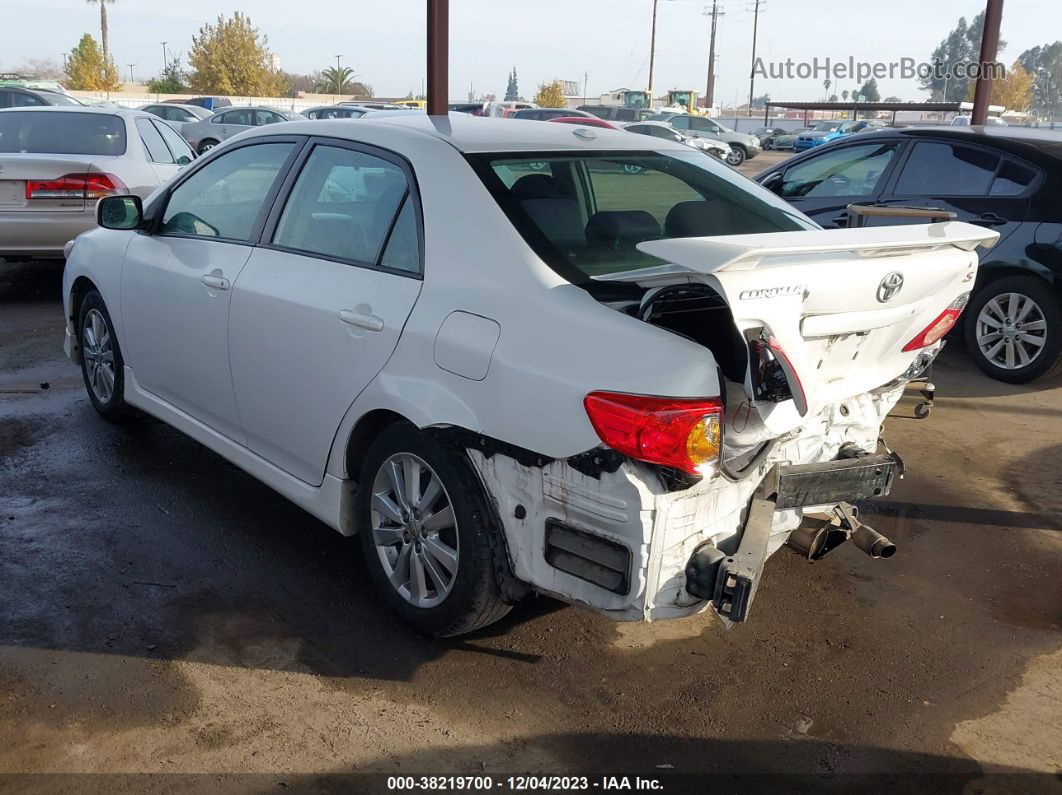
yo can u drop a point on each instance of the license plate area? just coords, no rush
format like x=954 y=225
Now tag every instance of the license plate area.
x=843 y=480
x=12 y=192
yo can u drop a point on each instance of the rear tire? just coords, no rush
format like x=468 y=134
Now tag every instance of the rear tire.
x=102 y=365
x=1035 y=328
x=431 y=557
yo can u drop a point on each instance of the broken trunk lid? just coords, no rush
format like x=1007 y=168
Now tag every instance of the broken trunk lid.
x=838 y=305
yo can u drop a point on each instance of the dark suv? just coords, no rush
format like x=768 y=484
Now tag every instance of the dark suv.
x=1004 y=178
x=16 y=97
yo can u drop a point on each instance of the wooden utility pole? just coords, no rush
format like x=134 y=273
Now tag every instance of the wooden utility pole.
x=709 y=94
x=438 y=56
x=989 y=47
x=752 y=71
x=652 y=54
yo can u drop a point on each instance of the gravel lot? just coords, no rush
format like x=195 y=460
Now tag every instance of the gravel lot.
x=163 y=613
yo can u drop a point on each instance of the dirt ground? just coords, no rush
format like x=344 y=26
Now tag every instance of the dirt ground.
x=163 y=613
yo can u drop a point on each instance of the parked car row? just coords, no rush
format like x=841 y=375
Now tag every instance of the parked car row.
x=1004 y=178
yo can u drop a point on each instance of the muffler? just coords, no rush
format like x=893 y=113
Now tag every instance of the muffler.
x=818 y=534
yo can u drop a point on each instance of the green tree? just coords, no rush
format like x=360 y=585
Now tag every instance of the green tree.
x=869 y=90
x=104 y=30
x=171 y=80
x=551 y=95
x=961 y=45
x=232 y=57
x=1044 y=63
x=336 y=80
x=88 y=70
x=512 y=90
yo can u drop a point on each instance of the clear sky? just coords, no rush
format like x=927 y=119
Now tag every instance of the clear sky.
x=383 y=40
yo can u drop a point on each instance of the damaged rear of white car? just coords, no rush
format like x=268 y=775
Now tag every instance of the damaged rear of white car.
x=566 y=360
x=794 y=347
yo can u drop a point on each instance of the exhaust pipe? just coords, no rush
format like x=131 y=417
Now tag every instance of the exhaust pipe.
x=819 y=534
x=872 y=542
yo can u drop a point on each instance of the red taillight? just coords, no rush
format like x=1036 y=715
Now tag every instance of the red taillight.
x=75 y=186
x=674 y=432
x=939 y=327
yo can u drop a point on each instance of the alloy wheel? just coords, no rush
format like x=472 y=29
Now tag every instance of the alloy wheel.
x=98 y=354
x=1011 y=331
x=414 y=530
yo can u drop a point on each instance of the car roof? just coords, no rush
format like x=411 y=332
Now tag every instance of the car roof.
x=482 y=134
x=1021 y=141
x=125 y=113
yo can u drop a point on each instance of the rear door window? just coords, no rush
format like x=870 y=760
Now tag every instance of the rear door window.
x=342 y=205
x=1012 y=180
x=20 y=100
x=179 y=148
x=945 y=169
x=156 y=148
x=850 y=171
x=223 y=199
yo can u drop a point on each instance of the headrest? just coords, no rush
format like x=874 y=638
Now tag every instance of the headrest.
x=534 y=186
x=698 y=219
x=621 y=228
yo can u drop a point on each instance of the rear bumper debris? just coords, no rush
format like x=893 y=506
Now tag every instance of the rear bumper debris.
x=618 y=540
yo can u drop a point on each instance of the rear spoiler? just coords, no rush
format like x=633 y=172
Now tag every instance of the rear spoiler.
x=745 y=252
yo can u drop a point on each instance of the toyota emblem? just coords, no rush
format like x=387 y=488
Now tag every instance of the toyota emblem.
x=890 y=286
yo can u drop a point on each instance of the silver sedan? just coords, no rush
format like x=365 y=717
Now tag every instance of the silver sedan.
x=56 y=162
x=208 y=133
x=178 y=115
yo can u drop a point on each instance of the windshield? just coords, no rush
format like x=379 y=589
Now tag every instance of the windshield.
x=584 y=214
x=826 y=126
x=61 y=133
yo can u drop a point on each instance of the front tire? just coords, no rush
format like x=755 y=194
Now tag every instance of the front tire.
x=427 y=534
x=102 y=366
x=737 y=155
x=206 y=146
x=1013 y=329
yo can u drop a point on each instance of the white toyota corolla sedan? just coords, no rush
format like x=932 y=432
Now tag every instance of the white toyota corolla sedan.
x=519 y=357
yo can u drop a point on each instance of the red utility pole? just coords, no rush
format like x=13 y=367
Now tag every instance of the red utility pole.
x=989 y=46
x=438 y=56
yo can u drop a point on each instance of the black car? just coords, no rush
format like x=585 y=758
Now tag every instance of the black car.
x=545 y=114
x=15 y=97
x=1005 y=178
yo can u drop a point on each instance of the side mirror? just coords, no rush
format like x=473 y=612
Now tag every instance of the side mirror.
x=120 y=212
x=773 y=183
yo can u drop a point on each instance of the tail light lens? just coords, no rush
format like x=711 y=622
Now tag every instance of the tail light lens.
x=75 y=186
x=944 y=322
x=686 y=434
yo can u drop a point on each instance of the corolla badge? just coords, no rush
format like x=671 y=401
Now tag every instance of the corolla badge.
x=890 y=286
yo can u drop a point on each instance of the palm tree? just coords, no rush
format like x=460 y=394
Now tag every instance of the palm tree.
x=336 y=80
x=103 y=26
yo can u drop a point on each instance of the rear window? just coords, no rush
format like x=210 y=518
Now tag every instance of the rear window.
x=585 y=214
x=52 y=133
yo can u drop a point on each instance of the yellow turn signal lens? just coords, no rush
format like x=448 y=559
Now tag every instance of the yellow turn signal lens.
x=704 y=443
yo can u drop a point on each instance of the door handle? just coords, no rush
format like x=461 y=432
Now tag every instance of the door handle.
x=370 y=322
x=215 y=282
x=989 y=219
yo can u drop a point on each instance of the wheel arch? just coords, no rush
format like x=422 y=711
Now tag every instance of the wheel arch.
x=78 y=290
x=363 y=434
